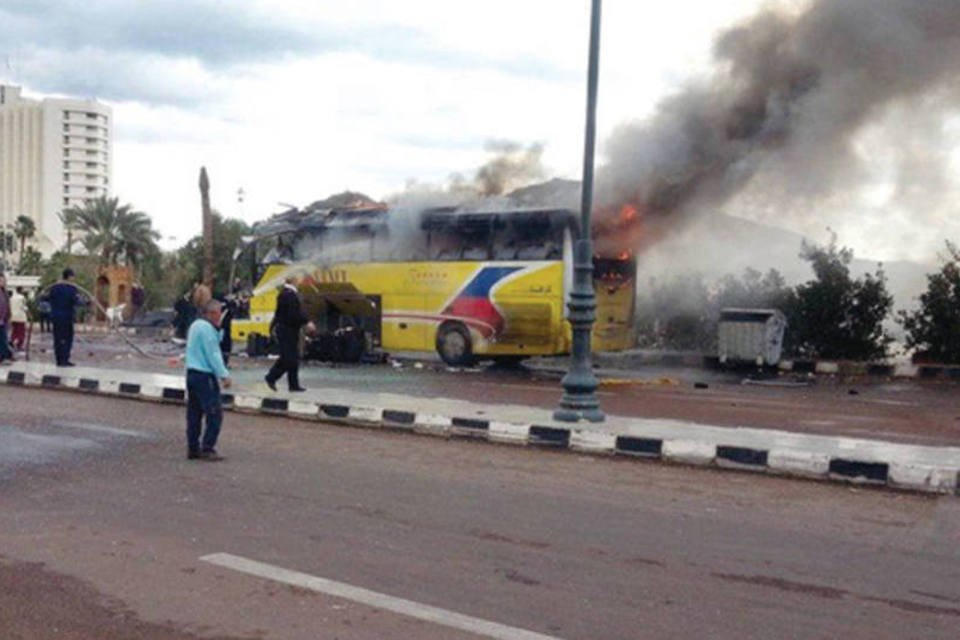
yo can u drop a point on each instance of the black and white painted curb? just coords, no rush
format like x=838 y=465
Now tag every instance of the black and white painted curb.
x=932 y=478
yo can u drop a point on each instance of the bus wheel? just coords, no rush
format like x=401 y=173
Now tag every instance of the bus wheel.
x=454 y=345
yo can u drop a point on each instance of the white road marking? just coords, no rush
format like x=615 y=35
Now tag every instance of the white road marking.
x=374 y=599
x=99 y=428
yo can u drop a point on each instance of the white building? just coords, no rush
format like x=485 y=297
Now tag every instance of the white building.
x=54 y=153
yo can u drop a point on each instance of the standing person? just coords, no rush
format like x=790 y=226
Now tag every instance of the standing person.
x=43 y=308
x=186 y=313
x=64 y=300
x=205 y=372
x=18 y=319
x=288 y=319
x=5 y=353
x=138 y=298
x=226 y=326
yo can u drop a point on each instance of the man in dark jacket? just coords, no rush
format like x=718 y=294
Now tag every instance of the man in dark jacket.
x=226 y=327
x=288 y=319
x=64 y=300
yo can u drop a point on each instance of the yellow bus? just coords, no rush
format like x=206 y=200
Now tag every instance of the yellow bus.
x=475 y=285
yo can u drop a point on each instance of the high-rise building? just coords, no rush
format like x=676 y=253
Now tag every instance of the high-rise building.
x=54 y=153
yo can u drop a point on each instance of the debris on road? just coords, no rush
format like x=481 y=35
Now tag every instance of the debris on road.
x=789 y=384
x=639 y=382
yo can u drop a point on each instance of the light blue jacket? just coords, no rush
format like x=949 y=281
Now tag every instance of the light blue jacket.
x=203 y=349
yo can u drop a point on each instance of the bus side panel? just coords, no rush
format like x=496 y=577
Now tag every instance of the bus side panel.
x=263 y=304
x=614 y=328
x=531 y=304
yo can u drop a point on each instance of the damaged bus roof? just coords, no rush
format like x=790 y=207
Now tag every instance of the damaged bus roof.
x=298 y=220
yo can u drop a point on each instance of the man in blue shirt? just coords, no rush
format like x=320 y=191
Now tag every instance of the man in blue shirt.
x=64 y=300
x=205 y=372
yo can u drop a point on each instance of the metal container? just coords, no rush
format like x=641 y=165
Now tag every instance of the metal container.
x=751 y=335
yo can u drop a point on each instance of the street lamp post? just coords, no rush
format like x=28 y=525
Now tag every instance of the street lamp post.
x=579 y=400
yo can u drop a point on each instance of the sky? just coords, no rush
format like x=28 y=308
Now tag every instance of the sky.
x=291 y=101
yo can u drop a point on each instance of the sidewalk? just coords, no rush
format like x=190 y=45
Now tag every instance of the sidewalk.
x=912 y=467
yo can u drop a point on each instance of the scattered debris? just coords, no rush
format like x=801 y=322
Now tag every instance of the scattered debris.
x=790 y=384
x=644 y=382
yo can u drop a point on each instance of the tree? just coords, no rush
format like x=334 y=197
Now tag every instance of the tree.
x=934 y=328
x=675 y=314
x=114 y=232
x=68 y=218
x=8 y=243
x=834 y=315
x=226 y=233
x=30 y=263
x=24 y=228
x=753 y=290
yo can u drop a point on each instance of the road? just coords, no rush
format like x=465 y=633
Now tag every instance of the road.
x=104 y=524
x=911 y=411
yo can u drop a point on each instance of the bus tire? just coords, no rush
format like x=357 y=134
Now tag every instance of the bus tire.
x=454 y=344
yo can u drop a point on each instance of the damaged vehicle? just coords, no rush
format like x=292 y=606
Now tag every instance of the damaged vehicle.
x=468 y=284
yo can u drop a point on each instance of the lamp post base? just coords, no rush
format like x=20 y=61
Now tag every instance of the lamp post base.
x=575 y=415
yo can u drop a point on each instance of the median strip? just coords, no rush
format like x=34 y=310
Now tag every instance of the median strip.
x=909 y=467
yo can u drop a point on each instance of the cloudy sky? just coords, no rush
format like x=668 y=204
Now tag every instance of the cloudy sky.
x=291 y=101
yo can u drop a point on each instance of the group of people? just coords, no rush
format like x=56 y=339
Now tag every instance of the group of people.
x=61 y=301
x=208 y=354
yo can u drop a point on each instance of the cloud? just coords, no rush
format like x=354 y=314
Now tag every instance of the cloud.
x=158 y=51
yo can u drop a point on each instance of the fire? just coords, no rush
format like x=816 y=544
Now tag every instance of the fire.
x=628 y=213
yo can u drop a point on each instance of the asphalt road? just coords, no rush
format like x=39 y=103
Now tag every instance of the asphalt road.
x=103 y=524
x=911 y=411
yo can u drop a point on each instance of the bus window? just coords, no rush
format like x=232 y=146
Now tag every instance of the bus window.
x=309 y=245
x=348 y=244
x=382 y=248
x=530 y=237
x=276 y=250
x=443 y=243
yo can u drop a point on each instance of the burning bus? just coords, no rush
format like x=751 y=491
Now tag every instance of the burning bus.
x=471 y=285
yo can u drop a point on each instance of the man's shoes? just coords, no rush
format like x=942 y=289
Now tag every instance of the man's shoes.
x=194 y=455
x=271 y=384
x=297 y=389
x=210 y=456
x=65 y=364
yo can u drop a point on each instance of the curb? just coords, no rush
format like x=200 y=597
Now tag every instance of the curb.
x=940 y=479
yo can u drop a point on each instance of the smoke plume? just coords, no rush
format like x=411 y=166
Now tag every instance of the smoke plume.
x=511 y=166
x=781 y=116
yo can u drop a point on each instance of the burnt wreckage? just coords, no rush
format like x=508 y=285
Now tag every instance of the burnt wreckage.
x=348 y=319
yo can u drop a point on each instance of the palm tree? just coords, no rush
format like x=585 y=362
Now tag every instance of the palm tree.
x=68 y=218
x=114 y=232
x=24 y=228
